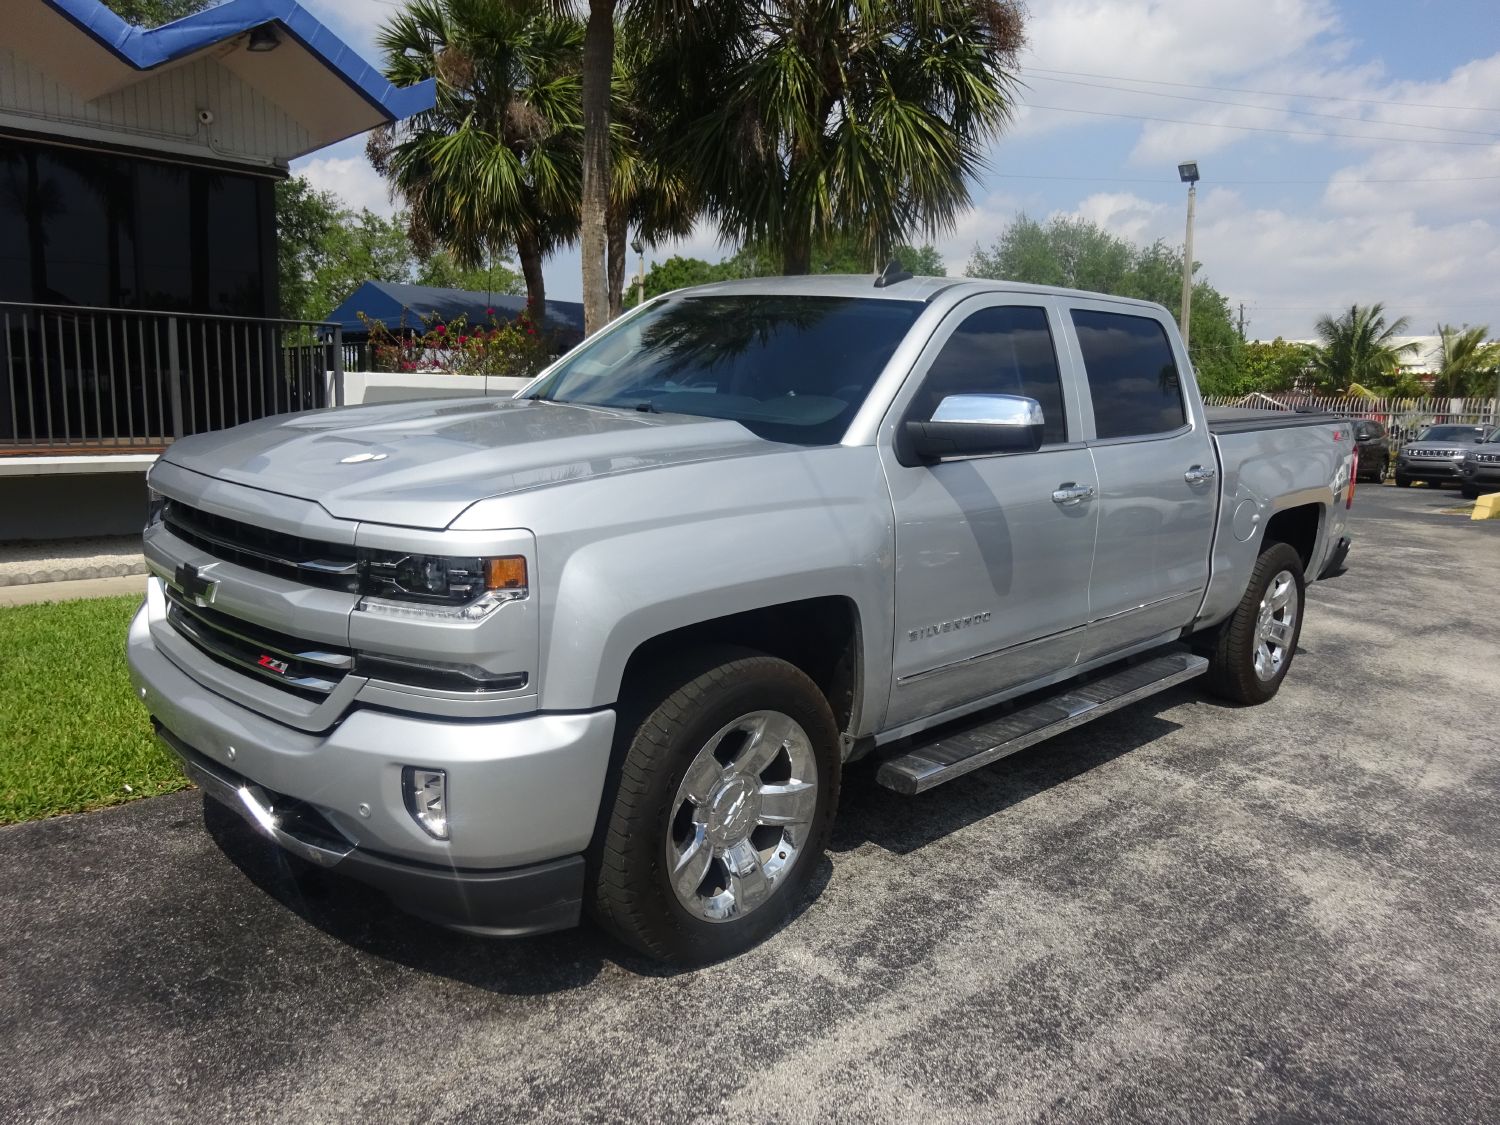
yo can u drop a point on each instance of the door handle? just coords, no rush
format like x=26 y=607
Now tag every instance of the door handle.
x=1199 y=475
x=1069 y=493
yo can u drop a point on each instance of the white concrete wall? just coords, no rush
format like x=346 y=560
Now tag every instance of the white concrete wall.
x=390 y=386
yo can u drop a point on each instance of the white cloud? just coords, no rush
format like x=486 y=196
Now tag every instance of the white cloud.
x=351 y=179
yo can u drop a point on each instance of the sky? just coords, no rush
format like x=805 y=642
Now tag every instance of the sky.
x=1349 y=152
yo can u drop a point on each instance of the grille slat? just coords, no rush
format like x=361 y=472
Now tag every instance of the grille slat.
x=264 y=653
x=314 y=562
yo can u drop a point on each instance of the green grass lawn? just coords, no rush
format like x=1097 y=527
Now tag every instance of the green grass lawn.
x=72 y=734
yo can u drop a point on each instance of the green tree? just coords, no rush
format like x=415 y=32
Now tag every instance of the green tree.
x=1274 y=366
x=496 y=162
x=154 y=13
x=442 y=269
x=1467 y=364
x=305 y=219
x=1358 y=346
x=1079 y=254
x=808 y=120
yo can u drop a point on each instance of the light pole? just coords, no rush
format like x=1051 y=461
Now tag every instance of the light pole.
x=640 y=269
x=1188 y=172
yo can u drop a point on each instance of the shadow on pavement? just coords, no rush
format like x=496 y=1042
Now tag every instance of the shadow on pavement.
x=871 y=814
x=364 y=919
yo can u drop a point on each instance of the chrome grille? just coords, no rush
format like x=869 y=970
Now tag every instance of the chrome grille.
x=313 y=562
x=1487 y=457
x=311 y=671
x=1434 y=454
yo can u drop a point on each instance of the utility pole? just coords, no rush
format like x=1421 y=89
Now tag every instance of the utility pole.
x=1242 y=322
x=640 y=270
x=1188 y=173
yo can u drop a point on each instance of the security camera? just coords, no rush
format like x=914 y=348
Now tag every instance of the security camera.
x=205 y=117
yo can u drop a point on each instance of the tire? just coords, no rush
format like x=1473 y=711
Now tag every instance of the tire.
x=690 y=782
x=1468 y=492
x=1237 y=668
x=1403 y=482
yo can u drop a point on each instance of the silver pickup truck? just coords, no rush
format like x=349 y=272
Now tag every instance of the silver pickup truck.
x=610 y=644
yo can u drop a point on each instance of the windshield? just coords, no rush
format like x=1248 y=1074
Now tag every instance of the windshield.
x=1451 y=433
x=790 y=368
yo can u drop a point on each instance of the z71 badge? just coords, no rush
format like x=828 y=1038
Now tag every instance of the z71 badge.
x=947 y=626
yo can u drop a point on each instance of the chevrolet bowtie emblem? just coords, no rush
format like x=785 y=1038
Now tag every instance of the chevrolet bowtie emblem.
x=194 y=586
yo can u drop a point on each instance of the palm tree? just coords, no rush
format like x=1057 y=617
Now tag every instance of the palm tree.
x=810 y=120
x=1358 y=346
x=496 y=161
x=1466 y=363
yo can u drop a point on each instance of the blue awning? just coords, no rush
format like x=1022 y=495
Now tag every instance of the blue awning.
x=415 y=306
x=146 y=48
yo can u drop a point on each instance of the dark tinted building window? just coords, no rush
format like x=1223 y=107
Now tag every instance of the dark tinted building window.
x=999 y=351
x=1133 y=377
x=95 y=228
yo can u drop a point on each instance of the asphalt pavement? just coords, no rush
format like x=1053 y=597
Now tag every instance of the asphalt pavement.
x=1184 y=912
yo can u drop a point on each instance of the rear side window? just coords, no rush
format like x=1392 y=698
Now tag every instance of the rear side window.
x=999 y=351
x=1133 y=377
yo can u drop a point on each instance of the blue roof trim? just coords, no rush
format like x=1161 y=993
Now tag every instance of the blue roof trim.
x=144 y=48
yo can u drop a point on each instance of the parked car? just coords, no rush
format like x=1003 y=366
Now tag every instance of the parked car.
x=1480 y=471
x=1374 y=450
x=1436 y=454
x=611 y=644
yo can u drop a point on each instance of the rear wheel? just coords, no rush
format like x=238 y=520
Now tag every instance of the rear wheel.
x=1468 y=492
x=1402 y=482
x=725 y=799
x=1249 y=653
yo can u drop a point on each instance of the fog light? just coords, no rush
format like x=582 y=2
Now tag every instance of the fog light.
x=426 y=793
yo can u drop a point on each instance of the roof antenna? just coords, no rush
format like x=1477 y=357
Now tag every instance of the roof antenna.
x=892 y=273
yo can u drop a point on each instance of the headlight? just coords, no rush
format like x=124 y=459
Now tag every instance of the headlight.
x=463 y=588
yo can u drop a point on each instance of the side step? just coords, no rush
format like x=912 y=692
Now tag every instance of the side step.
x=954 y=755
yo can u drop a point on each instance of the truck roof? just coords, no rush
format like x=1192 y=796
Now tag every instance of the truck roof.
x=914 y=289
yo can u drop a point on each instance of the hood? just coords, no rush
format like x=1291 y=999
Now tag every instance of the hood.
x=420 y=464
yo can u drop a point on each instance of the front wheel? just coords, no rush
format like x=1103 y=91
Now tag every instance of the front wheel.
x=1250 y=652
x=725 y=799
x=1468 y=492
x=1402 y=482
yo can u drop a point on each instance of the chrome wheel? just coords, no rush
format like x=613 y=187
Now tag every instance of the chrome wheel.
x=742 y=816
x=1276 y=626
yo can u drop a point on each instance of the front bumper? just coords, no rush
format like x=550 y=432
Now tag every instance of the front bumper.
x=523 y=795
x=1427 y=470
x=1485 y=476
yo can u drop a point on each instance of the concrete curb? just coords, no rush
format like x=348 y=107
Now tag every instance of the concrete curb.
x=75 y=573
x=107 y=587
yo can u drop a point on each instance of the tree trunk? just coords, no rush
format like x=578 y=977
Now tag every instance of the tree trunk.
x=530 y=254
x=616 y=261
x=598 y=68
x=796 y=252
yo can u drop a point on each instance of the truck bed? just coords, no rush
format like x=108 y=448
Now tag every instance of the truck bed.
x=1242 y=419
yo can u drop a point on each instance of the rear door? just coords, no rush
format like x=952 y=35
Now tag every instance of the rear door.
x=1158 y=482
x=992 y=571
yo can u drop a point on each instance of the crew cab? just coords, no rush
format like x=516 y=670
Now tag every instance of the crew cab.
x=610 y=645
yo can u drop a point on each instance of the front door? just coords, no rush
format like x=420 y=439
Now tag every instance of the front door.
x=992 y=569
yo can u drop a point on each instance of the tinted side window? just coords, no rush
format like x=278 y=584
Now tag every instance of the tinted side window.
x=1133 y=378
x=999 y=351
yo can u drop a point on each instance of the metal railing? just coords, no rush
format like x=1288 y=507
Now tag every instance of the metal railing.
x=1401 y=416
x=79 y=379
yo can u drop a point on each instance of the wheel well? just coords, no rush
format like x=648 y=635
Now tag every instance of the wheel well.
x=818 y=635
x=1297 y=528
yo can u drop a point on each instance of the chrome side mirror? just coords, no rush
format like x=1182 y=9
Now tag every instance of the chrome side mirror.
x=974 y=425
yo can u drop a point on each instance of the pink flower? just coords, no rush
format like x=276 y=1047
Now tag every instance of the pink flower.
x=463 y=339
x=440 y=329
x=489 y=312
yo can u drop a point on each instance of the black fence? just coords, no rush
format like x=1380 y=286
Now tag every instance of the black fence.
x=112 y=380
